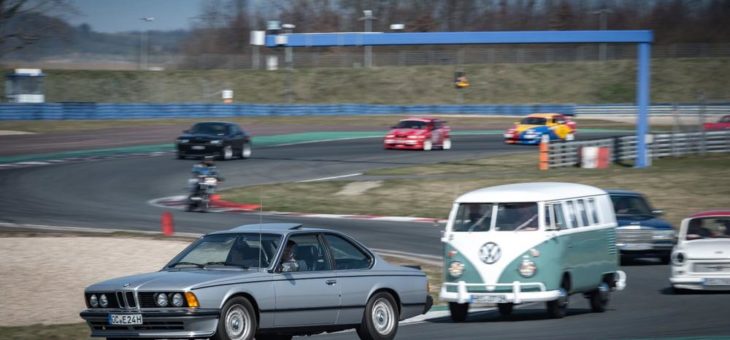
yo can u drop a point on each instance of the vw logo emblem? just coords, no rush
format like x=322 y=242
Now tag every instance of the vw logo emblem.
x=490 y=253
x=126 y=285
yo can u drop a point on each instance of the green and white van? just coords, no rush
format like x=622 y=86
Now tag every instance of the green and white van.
x=530 y=242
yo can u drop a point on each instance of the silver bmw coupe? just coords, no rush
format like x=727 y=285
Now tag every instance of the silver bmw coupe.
x=268 y=281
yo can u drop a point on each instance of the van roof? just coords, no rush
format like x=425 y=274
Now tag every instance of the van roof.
x=529 y=192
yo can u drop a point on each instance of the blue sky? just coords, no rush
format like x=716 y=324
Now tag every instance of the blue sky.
x=126 y=15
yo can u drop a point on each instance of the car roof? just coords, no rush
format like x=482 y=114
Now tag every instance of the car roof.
x=529 y=192
x=712 y=213
x=224 y=123
x=423 y=119
x=269 y=228
x=544 y=115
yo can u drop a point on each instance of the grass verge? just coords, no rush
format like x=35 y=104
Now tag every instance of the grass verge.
x=679 y=186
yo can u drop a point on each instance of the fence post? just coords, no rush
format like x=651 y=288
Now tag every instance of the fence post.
x=545 y=152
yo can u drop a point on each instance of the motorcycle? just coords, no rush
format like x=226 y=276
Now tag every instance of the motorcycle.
x=204 y=188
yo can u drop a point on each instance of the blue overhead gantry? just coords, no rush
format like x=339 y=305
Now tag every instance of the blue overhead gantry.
x=642 y=38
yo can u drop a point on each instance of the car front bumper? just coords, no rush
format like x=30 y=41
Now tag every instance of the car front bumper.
x=398 y=143
x=182 y=323
x=519 y=139
x=199 y=149
x=707 y=282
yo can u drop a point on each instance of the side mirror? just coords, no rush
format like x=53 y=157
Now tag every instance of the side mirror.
x=658 y=212
x=186 y=131
x=289 y=266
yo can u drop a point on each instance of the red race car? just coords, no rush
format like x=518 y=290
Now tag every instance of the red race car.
x=419 y=134
x=722 y=124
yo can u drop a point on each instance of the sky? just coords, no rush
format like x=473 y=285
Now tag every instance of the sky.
x=111 y=16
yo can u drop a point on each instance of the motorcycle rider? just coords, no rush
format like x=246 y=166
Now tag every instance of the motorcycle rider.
x=206 y=167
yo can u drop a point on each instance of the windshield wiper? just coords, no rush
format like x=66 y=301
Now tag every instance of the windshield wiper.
x=187 y=264
x=220 y=263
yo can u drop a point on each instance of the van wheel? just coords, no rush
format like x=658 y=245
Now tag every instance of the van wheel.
x=458 y=311
x=380 y=321
x=599 y=298
x=505 y=309
x=558 y=308
x=237 y=321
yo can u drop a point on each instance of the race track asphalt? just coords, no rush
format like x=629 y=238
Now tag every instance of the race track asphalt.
x=114 y=193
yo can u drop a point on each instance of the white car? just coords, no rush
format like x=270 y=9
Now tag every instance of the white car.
x=701 y=258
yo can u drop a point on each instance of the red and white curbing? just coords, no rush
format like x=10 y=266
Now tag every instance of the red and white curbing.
x=218 y=205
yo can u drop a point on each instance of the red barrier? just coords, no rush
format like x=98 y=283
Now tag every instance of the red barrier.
x=167 y=225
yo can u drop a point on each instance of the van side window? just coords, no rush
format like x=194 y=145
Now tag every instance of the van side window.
x=583 y=213
x=571 y=214
x=559 y=218
x=594 y=210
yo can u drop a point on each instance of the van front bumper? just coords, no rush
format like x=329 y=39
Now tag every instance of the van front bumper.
x=462 y=295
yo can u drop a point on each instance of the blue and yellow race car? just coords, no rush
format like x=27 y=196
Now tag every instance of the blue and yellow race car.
x=530 y=129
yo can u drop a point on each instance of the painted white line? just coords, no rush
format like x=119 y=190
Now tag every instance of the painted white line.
x=33 y=163
x=328 y=178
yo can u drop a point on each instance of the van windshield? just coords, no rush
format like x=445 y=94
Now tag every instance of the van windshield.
x=517 y=217
x=473 y=217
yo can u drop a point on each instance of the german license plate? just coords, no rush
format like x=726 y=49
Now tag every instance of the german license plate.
x=198 y=147
x=717 y=282
x=491 y=299
x=125 y=319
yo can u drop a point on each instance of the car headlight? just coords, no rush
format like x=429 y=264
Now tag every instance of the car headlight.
x=216 y=142
x=93 y=301
x=161 y=299
x=103 y=301
x=456 y=268
x=663 y=235
x=390 y=136
x=527 y=268
x=177 y=300
x=183 y=141
x=678 y=258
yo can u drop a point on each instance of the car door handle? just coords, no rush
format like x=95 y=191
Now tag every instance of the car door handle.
x=330 y=282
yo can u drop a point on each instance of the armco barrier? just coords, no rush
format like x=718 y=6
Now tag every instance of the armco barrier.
x=81 y=111
x=100 y=111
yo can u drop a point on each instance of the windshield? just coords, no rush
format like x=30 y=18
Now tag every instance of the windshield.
x=229 y=250
x=708 y=227
x=533 y=121
x=209 y=129
x=630 y=205
x=411 y=124
x=473 y=217
x=510 y=217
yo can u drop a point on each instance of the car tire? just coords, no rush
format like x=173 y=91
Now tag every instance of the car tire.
x=180 y=156
x=380 y=321
x=505 y=309
x=427 y=145
x=599 y=297
x=237 y=321
x=557 y=308
x=227 y=152
x=458 y=311
x=447 y=144
x=678 y=291
x=246 y=151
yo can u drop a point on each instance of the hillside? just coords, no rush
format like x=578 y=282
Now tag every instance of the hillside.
x=673 y=80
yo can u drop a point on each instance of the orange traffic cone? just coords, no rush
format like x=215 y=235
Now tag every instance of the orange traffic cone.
x=167 y=225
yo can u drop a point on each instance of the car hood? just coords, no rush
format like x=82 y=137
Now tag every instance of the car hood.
x=645 y=221
x=177 y=279
x=706 y=249
x=525 y=127
x=407 y=132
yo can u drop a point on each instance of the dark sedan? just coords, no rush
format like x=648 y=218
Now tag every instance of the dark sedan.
x=220 y=139
x=640 y=231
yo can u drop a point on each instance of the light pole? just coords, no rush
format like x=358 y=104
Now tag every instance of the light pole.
x=603 y=20
x=368 y=18
x=289 y=60
x=144 y=44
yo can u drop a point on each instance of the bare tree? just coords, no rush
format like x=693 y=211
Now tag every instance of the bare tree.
x=14 y=36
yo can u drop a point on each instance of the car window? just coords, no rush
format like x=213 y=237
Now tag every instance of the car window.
x=708 y=227
x=554 y=216
x=533 y=121
x=594 y=210
x=346 y=254
x=583 y=213
x=308 y=253
x=473 y=217
x=411 y=124
x=630 y=205
x=572 y=217
x=209 y=128
x=239 y=250
x=517 y=217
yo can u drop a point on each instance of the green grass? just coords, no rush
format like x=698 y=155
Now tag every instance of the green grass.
x=76 y=331
x=679 y=186
x=673 y=80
